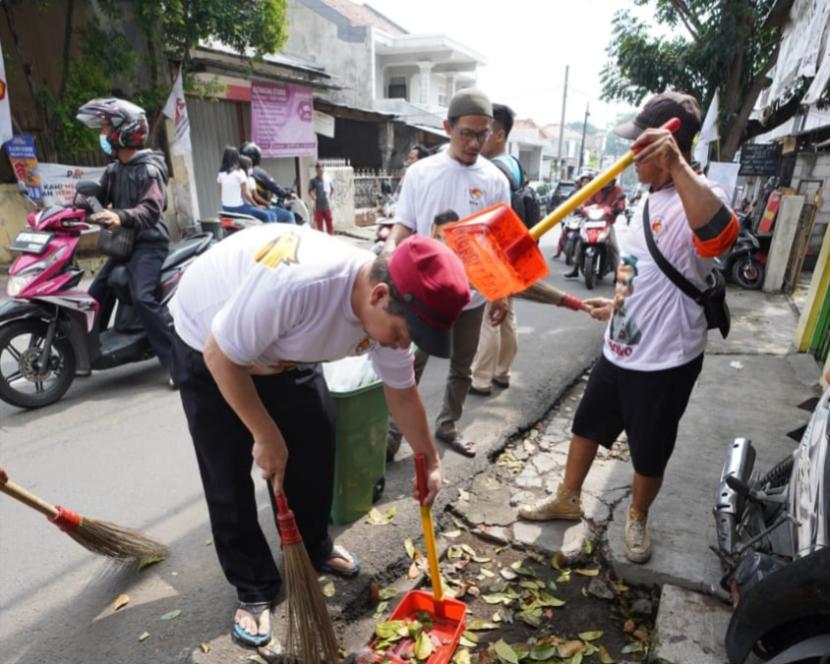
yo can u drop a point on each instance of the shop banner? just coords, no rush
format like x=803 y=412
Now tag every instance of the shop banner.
x=58 y=181
x=21 y=151
x=5 y=111
x=282 y=120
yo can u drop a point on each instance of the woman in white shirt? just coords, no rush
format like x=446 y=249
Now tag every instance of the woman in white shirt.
x=236 y=196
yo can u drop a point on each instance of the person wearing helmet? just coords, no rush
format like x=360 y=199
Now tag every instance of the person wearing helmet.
x=584 y=178
x=133 y=191
x=266 y=186
x=612 y=198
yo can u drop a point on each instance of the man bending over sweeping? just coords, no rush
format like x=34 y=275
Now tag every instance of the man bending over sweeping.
x=253 y=317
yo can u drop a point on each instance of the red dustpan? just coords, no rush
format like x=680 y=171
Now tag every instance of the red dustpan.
x=500 y=254
x=446 y=615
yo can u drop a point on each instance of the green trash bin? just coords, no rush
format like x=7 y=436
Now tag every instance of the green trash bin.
x=360 y=457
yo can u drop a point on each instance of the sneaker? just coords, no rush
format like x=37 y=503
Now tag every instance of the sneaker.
x=503 y=383
x=637 y=537
x=565 y=504
x=573 y=274
x=480 y=391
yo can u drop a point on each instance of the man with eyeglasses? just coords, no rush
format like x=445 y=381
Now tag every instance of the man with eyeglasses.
x=461 y=180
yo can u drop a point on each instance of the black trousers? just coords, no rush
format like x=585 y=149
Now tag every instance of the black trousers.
x=303 y=409
x=144 y=268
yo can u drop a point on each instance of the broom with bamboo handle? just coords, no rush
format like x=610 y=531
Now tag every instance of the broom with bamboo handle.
x=101 y=537
x=310 y=638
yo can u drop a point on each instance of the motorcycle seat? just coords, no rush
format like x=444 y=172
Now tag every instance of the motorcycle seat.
x=185 y=249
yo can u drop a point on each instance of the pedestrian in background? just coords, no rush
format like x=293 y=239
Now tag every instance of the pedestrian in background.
x=321 y=190
x=654 y=343
x=233 y=183
x=457 y=179
x=498 y=343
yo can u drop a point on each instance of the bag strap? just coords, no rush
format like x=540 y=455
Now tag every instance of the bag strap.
x=508 y=173
x=688 y=288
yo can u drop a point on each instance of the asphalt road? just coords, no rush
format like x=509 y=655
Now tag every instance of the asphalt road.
x=117 y=448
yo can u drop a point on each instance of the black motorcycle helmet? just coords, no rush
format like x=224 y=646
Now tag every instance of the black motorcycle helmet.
x=129 y=121
x=252 y=151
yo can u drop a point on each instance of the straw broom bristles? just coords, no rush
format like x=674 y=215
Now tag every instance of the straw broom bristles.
x=101 y=537
x=310 y=638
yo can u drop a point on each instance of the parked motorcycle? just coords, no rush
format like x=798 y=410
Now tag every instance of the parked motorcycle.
x=745 y=262
x=774 y=546
x=594 y=236
x=281 y=198
x=570 y=243
x=49 y=331
x=233 y=222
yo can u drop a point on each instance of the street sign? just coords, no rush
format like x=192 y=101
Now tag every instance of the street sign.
x=760 y=159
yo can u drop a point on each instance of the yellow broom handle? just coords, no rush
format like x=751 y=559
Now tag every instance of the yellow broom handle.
x=568 y=206
x=591 y=188
x=19 y=493
x=429 y=530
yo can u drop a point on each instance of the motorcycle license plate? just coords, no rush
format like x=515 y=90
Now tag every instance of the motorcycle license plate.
x=31 y=242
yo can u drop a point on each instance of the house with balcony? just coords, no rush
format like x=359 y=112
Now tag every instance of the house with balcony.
x=389 y=88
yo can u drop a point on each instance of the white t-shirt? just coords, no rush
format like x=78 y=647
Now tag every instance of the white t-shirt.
x=658 y=326
x=232 y=187
x=276 y=295
x=440 y=183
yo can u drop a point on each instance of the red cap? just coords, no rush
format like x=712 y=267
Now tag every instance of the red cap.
x=431 y=282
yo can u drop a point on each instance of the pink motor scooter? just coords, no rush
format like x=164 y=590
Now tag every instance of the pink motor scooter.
x=49 y=329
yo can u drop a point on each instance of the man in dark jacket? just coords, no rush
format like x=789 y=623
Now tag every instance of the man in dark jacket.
x=133 y=189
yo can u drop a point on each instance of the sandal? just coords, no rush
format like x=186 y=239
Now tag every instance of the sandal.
x=340 y=553
x=460 y=444
x=255 y=610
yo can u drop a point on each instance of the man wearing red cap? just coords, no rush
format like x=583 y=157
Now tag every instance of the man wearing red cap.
x=253 y=317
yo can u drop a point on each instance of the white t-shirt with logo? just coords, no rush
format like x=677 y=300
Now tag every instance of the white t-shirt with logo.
x=276 y=295
x=658 y=326
x=440 y=183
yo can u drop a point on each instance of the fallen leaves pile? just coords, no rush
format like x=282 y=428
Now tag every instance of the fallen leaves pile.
x=522 y=608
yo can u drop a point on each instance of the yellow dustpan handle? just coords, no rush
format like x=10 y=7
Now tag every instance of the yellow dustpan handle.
x=591 y=188
x=568 y=206
x=429 y=531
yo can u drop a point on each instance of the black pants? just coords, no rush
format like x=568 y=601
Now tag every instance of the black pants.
x=144 y=268
x=303 y=409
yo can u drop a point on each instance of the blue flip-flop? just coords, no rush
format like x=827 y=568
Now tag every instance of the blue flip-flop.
x=338 y=551
x=256 y=610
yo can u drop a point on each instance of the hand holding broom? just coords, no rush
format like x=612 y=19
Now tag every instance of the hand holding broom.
x=102 y=537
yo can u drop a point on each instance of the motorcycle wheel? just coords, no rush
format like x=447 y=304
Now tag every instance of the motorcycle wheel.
x=589 y=269
x=20 y=345
x=748 y=272
x=569 y=252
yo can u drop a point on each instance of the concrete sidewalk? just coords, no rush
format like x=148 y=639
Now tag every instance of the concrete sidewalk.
x=750 y=386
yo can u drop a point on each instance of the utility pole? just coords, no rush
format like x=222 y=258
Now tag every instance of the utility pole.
x=562 y=127
x=582 y=146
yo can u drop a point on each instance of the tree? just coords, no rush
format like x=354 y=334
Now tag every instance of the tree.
x=100 y=60
x=726 y=45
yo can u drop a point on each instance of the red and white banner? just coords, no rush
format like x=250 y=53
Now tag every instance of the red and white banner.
x=282 y=120
x=5 y=111
x=176 y=110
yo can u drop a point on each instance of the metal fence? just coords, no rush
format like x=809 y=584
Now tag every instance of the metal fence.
x=368 y=186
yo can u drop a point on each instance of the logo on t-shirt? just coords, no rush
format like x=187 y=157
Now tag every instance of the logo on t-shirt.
x=656 y=226
x=476 y=194
x=282 y=249
x=363 y=347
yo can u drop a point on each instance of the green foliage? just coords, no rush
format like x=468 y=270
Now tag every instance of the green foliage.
x=257 y=27
x=712 y=44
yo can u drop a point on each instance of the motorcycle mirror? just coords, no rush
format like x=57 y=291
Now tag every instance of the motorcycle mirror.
x=88 y=188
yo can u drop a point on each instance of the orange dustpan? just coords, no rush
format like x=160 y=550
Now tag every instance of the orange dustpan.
x=446 y=615
x=500 y=254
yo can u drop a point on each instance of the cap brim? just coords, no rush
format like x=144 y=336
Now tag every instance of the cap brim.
x=431 y=340
x=629 y=130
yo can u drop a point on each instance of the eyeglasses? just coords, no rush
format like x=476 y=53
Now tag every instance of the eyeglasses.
x=468 y=135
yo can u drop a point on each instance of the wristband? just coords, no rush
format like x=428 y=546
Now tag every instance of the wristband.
x=571 y=302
